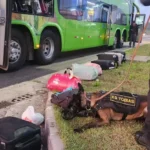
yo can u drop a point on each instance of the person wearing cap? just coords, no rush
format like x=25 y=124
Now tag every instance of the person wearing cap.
x=133 y=33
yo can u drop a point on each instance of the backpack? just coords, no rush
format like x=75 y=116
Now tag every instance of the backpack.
x=64 y=98
x=69 y=101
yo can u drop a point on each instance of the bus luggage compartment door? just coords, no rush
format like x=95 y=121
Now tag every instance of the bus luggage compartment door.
x=5 y=25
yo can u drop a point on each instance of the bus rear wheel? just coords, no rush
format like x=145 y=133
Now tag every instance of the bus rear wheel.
x=49 y=48
x=17 y=54
x=121 y=42
x=113 y=47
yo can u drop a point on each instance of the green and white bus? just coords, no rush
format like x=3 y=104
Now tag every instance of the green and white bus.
x=41 y=29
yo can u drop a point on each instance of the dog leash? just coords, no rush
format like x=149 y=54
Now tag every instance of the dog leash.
x=132 y=58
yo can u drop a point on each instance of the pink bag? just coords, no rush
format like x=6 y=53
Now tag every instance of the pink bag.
x=96 y=66
x=59 y=82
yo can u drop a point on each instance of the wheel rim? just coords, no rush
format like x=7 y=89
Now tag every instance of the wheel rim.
x=48 y=48
x=15 y=51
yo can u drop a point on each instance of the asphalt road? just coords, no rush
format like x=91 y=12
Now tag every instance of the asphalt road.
x=31 y=70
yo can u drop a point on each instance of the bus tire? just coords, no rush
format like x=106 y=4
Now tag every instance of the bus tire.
x=113 y=47
x=18 y=52
x=49 y=48
x=121 y=42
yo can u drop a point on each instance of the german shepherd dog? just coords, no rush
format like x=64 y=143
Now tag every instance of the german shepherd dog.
x=107 y=114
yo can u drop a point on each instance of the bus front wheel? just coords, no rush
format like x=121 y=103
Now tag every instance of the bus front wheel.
x=49 y=48
x=18 y=52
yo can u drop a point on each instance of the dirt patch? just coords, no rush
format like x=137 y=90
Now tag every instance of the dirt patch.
x=4 y=104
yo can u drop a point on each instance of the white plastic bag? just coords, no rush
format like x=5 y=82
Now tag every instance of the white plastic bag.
x=84 y=72
x=30 y=115
x=98 y=67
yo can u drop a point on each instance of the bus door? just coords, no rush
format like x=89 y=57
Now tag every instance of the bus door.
x=140 y=20
x=109 y=38
x=5 y=30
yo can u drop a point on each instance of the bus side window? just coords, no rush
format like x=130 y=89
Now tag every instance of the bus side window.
x=37 y=7
x=104 y=16
x=92 y=10
x=71 y=9
x=14 y=6
x=22 y=6
x=47 y=7
x=123 y=19
x=50 y=7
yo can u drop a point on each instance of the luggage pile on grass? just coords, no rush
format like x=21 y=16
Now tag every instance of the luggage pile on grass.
x=89 y=71
x=110 y=60
x=66 y=85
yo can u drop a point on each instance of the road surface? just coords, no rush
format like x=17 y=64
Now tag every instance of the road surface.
x=31 y=70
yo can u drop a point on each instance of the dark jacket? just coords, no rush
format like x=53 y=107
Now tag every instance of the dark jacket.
x=134 y=29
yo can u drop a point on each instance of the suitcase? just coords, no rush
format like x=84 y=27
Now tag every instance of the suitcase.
x=112 y=57
x=120 y=56
x=17 y=134
x=106 y=64
x=123 y=53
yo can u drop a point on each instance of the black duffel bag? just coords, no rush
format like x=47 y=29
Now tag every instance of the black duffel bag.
x=17 y=134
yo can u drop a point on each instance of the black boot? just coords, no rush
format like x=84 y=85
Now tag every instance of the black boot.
x=143 y=139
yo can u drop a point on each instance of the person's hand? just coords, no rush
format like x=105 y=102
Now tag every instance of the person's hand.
x=145 y=2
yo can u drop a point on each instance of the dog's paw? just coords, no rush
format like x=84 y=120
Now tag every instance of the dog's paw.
x=78 y=130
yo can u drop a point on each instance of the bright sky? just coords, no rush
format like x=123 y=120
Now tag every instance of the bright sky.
x=143 y=9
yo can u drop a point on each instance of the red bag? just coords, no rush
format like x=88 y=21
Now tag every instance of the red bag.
x=59 y=82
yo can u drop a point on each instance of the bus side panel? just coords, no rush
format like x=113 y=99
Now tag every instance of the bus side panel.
x=35 y=25
x=26 y=21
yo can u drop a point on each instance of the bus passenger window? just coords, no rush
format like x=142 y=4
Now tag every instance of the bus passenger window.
x=47 y=7
x=123 y=19
x=71 y=9
x=36 y=7
x=22 y=6
x=104 y=16
x=92 y=10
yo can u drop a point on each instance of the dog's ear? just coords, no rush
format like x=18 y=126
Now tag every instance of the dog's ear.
x=81 y=89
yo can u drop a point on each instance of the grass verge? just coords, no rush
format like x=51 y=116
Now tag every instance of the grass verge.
x=144 y=50
x=118 y=135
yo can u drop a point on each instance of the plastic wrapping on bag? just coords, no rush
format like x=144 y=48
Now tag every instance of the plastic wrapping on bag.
x=96 y=66
x=85 y=72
